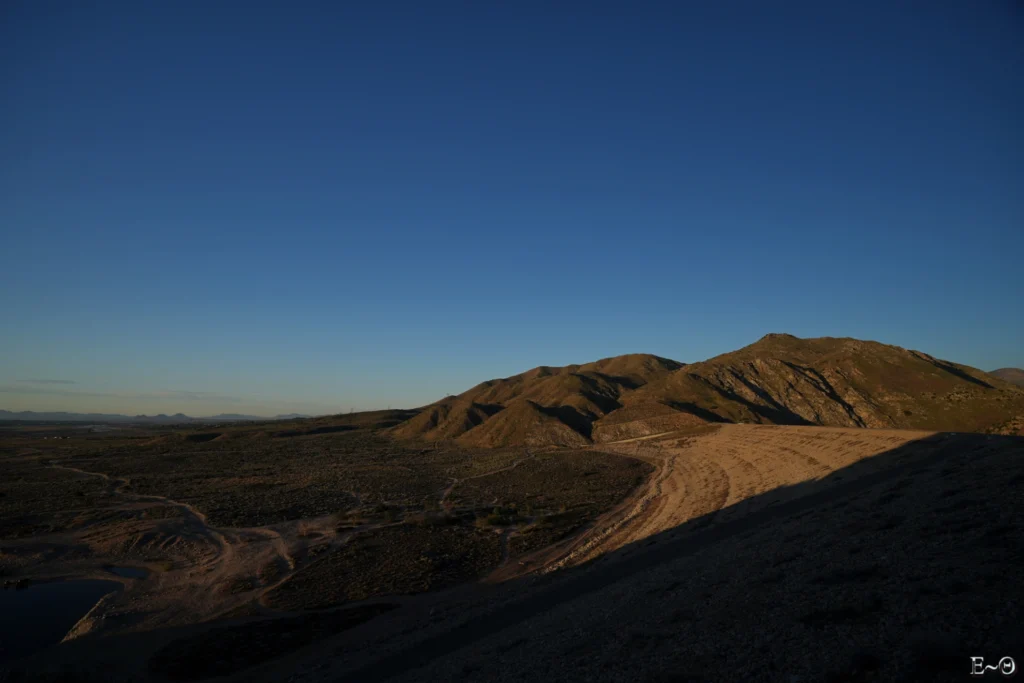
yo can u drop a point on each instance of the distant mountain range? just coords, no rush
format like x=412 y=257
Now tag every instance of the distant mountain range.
x=177 y=418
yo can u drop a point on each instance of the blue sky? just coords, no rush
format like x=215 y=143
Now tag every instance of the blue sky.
x=277 y=207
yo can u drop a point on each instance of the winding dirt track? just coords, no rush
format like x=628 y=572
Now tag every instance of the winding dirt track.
x=699 y=476
x=217 y=555
x=192 y=516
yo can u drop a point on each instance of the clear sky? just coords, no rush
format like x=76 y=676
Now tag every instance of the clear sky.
x=274 y=207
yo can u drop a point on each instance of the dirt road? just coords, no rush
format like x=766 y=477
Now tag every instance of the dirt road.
x=709 y=473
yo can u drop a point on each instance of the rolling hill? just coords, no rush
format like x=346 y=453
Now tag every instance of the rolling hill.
x=545 y=406
x=1011 y=375
x=780 y=379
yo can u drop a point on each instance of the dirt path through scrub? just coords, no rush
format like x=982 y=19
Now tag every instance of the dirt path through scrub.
x=701 y=475
x=455 y=482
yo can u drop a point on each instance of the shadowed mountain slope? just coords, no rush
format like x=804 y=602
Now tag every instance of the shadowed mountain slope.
x=780 y=379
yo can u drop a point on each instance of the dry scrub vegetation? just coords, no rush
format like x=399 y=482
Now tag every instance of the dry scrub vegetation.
x=261 y=519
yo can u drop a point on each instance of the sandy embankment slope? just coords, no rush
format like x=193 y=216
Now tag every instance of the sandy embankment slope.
x=700 y=475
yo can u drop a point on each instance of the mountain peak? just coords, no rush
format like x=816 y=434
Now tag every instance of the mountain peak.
x=778 y=336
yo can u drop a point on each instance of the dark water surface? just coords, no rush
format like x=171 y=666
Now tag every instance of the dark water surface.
x=41 y=615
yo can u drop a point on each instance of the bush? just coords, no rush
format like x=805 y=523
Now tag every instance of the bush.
x=500 y=516
x=428 y=519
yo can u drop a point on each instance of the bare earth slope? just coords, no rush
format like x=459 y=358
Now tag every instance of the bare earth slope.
x=780 y=379
x=842 y=383
x=701 y=476
x=446 y=419
x=549 y=405
x=1011 y=375
x=527 y=423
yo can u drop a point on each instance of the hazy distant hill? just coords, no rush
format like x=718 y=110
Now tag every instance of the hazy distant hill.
x=780 y=379
x=1011 y=375
x=177 y=418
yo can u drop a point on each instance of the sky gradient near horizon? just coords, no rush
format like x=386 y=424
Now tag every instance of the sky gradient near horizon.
x=270 y=208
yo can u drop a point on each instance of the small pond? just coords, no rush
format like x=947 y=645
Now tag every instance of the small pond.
x=41 y=615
